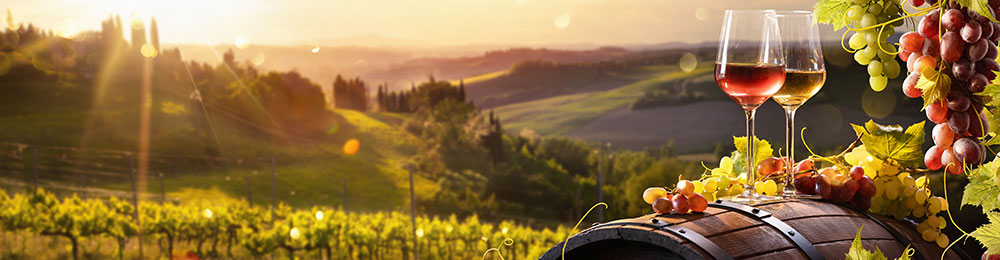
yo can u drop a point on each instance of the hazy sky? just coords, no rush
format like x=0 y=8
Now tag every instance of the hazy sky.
x=406 y=22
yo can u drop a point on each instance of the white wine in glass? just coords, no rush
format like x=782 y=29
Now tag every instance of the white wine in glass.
x=805 y=74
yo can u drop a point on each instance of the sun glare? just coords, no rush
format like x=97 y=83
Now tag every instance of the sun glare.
x=563 y=21
x=68 y=28
x=315 y=49
x=242 y=42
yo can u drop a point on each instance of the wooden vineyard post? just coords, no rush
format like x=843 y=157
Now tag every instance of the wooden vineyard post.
x=135 y=201
x=413 y=214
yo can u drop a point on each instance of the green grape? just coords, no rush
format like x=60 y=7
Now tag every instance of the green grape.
x=871 y=36
x=861 y=2
x=890 y=68
x=942 y=240
x=857 y=41
x=919 y=212
x=711 y=185
x=909 y=181
x=892 y=189
x=886 y=33
x=875 y=68
x=860 y=57
x=868 y=20
x=933 y=221
x=878 y=83
x=929 y=235
x=910 y=203
x=933 y=205
x=920 y=196
x=891 y=9
x=870 y=52
x=874 y=9
x=879 y=187
x=883 y=53
x=854 y=13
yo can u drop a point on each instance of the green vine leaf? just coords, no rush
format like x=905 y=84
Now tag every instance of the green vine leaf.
x=980 y=6
x=858 y=251
x=831 y=12
x=892 y=142
x=983 y=188
x=989 y=234
x=762 y=147
x=935 y=85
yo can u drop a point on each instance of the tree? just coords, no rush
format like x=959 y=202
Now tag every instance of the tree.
x=154 y=34
x=138 y=34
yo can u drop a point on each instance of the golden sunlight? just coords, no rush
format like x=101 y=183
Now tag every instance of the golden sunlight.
x=562 y=21
x=242 y=42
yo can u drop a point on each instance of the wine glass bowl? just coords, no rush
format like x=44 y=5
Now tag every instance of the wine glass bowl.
x=750 y=68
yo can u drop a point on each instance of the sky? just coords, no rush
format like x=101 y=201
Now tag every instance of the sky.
x=404 y=22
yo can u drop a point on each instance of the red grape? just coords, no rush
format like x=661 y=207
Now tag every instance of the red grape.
x=847 y=190
x=917 y=3
x=978 y=83
x=924 y=62
x=972 y=32
x=932 y=2
x=978 y=127
x=942 y=135
x=770 y=166
x=822 y=187
x=681 y=204
x=697 y=202
x=951 y=163
x=987 y=31
x=991 y=52
x=931 y=48
x=952 y=46
x=910 y=86
x=987 y=256
x=928 y=27
x=663 y=205
x=995 y=35
x=958 y=122
x=912 y=61
x=805 y=184
x=987 y=67
x=911 y=42
x=953 y=19
x=932 y=159
x=958 y=101
x=937 y=113
x=977 y=50
x=861 y=201
x=963 y=69
x=967 y=150
x=857 y=172
x=866 y=186
x=805 y=165
x=904 y=55
x=994 y=4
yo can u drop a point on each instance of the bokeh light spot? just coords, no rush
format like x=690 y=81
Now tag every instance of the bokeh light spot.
x=207 y=213
x=242 y=42
x=688 y=62
x=68 y=28
x=294 y=233
x=563 y=21
x=319 y=215
x=148 y=51
x=315 y=49
x=259 y=59
x=351 y=146
x=701 y=14
x=878 y=105
x=420 y=232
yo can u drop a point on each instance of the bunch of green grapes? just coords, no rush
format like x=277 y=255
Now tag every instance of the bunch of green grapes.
x=870 y=41
x=899 y=195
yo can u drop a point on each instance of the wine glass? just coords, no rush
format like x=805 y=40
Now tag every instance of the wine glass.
x=804 y=76
x=750 y=68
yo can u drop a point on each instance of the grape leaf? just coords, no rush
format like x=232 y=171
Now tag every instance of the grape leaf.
x=858 y=251
x=831 y=12
x=935 y=85
x=891 y=142
x=762 y=149
x=980 y=6
x=989 y=234
x=983 y=189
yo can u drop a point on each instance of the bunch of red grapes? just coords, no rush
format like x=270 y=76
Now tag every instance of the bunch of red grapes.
x=831 y=183
x=966 y=51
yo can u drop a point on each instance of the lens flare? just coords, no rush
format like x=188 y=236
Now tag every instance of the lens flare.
x=420 y=232
x=315 y=49
x=207 y=213
x=701 y=14
x=563 y=21
x=319 y=215
x=148 y=51
x=878 y=105
x=68 y=28
x=688 y=62
x=259 y=59
x=351 y=146
x=242 y=42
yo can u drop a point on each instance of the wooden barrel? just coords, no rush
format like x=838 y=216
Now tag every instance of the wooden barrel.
x=790 y=229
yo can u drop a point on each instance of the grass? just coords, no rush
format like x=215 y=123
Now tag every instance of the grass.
x=557 y=116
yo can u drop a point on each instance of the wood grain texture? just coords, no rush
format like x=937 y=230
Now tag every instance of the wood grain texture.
x=829 y=227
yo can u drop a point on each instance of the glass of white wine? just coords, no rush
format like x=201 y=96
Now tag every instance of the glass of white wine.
x=805 y=74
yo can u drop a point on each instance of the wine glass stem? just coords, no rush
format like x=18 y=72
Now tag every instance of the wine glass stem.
x=790 y=146
x=750 y=162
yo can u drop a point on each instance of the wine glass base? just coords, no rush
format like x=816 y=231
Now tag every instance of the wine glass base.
x=751 y=199
x=793 y=194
